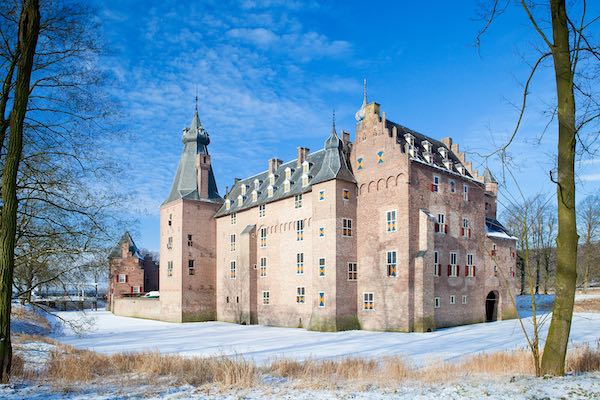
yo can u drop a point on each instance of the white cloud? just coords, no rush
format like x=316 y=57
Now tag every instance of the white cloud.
x=591 y=178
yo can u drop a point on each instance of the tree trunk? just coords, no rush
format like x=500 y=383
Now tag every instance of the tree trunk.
x=29 y=26
x=555 y=350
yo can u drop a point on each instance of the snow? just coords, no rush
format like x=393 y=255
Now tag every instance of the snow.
x=114 y=334
x=500 y=235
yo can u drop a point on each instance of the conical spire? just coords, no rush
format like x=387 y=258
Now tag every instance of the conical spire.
x=333 y=141
x=488 y=177
x=364 y=104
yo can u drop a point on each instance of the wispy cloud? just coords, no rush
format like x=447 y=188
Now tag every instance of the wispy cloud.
x=591 y=178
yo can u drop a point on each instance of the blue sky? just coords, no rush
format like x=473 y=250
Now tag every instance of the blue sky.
x=269 y=74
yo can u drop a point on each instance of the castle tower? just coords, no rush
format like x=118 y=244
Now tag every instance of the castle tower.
x=188 y=233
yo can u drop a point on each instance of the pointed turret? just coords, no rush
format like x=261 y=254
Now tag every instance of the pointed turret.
x=334 y=160
x=194 y=179
x=360 y=114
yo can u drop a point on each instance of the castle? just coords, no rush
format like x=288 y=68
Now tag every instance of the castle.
x=394 y=231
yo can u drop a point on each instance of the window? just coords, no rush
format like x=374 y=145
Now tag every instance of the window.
x=270 y=191
x=321 y=267
x=452 y=267
x=227 y=299
x=466 y=192
x=286 y=186
x=494 y=249
x=136 y=289
x=243 y=190
x=256 y=184
x=170 y=219
x=391 y=221
x=254 y=195
x=321 y=195
x=346 y=227
x=352 y=271
x=436 y=263
x=300 y=295
x=304 y=180
x=440 y=226
x=288 y=173
x=391 y=263
x=233 y=218
x=263 y=237
x=190 y=241
x=300 y=230
x=261 y=210
x=321 y=299
x=305 y=167
x=437 y=302
x=452 y=299
x=191 y=268
x=227 y=206
x=170 y=242
x=266 y=297
x=465 y=230
x=470 y=268
x=263 y=267
x=232 y=270
x=122 y=278
x=169 y=268
x=435 y=185
x=232 y=242
x=321 y=232
x=464 y=299
x=452 y=185
x=271 y=179
x=240 y=200
x=299 y=263
x=298 y=201
x=346 y=195
x=368 y=301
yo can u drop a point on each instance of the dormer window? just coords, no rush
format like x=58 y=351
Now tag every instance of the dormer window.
x=288 y=173
x=270 y=191
x=256 y=184
x=240 y=200
x=304 y=180
x=271 y=179
x=443 y=152
x=460 y=168
x=254 y=195
x=286 y=186
x=427 y=146
x=428 y=157
x=305 y=167
x=227 y=204
x=410 y=139
x=448 y=164
x=243 y=187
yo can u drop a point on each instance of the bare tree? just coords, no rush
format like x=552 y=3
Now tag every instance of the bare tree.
x=589 y=223
x=566 y=43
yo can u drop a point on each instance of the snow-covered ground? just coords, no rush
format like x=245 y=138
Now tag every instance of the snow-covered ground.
x=113 y=334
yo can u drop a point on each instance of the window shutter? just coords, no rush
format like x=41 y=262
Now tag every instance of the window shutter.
x=126 y=278
x=449 y=269
x=466 y=270
x=445 y=228
x=433 y=187
x=437 y=227
x=473 y=270
x=117 y=278
x=132 y=289
x=469 y=230
x=462 y=231
x=457 y=270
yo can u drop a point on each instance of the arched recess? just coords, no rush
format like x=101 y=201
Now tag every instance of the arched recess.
x=380 y=184
x=371 y=187
x=391 y=182
x=361 y=190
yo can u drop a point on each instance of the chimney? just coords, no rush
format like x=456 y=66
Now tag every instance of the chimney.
x=448 y=142
x=302 y=155
x=274 y=164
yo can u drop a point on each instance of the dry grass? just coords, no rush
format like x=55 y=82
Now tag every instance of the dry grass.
x=584 y=359
x=587 y=305
x=85 y=366
x=19 y=312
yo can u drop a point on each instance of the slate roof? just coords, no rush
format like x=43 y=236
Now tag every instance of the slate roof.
x=185 y=184
x=325 y=164
x=419 y=138
x=494 y=228
x=133 y=249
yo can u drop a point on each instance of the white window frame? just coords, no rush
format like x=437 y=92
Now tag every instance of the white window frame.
x=122 y=278
x=352 y=271
x=453 y=265
x=441 y=222
x=452 y=299
x=391 y=263
x=299 y=263
x=437 y=302
x=137 y=289
x=346 y=227
x=299 y=230
x=232 y=242
x=368 y=299
x=191 y=267
x=169 y=268
x=232 y=269
x=464 y=299
x=435 y=184
x=262 y=210
x=391 y=218
x=263 y=267
x=437 y=270
x=465 y=192
x=263 y=238
x=266 y=297
x=451 y=185
x=300 y=295
x=298 y=201
x=233 y=218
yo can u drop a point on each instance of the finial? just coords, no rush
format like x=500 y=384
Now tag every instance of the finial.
x=333 y=120
x=196 y=97
x=365 y=91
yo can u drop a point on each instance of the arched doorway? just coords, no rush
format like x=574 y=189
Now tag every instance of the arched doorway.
x=491 y=306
